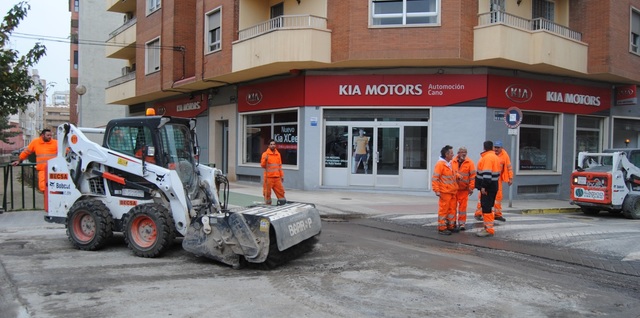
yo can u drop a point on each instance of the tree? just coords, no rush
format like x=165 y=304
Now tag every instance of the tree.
x=17 y=88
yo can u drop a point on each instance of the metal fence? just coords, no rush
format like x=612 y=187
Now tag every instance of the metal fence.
x=19 y=188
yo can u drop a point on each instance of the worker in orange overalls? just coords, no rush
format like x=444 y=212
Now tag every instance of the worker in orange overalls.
x=445 y=186
x=273 y=175
x=506 y=175
x=466 y=183
x=487 y=178
x=45 y=148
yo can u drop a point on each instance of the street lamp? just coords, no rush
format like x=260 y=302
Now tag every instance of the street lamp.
x=81 y=90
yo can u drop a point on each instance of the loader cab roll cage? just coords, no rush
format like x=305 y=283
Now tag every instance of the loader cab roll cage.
x=163 y=140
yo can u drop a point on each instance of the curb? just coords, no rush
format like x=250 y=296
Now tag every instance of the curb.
x=550 y=211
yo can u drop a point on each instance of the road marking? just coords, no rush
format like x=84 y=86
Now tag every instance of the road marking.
x=635 y=256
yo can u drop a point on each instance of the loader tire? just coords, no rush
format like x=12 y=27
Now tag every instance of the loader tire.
x=149 y=230
x=631 y=207
x=89 y=225
x=590 y=211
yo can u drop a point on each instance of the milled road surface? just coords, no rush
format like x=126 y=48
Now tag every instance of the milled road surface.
x=355 y=270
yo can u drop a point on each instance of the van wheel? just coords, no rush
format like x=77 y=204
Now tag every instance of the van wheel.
x=149 y=229
x=631 y=207
x=89 y=225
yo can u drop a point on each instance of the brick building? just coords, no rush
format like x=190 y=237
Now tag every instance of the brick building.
x=548 y=78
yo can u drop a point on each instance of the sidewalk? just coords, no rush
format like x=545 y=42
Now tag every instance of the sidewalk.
x=346 y=204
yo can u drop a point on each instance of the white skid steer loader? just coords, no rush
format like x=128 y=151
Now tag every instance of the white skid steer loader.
x=145 y=181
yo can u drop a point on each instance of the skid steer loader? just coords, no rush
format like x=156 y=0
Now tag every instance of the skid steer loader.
x=145 y=181
x=607 y=181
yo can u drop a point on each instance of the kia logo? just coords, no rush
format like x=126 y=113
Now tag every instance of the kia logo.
x=254 y=97
x=518 y=93
x=625 y=92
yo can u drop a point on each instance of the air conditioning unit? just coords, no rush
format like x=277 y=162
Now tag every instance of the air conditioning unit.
x=128 y=16
x=126 y=70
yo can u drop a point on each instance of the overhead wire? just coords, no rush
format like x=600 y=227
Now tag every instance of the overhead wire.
x=84 y=41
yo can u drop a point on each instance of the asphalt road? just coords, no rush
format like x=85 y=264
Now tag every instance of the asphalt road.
x=387 y=266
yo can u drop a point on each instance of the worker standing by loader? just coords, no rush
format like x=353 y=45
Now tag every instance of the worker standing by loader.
x=273 y=175
x=506 y=175
x=466 y=183
x=445 y=186
x=487 y=178
x=45 y=148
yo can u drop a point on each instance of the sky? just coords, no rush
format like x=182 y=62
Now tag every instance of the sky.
x=48 y=22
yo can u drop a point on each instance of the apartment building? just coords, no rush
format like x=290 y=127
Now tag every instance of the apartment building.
x=90 y=71
x=548 y=78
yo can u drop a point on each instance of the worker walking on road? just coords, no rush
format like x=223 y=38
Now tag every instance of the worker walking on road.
x=506 y=175
x=487 y=177
x=466 y=183
x=273 y=175
x=45 y=148
x=444 y=184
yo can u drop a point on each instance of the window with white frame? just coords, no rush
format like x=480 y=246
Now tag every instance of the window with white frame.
x=152 y=56
x=280 y=126
x=588 y=134
x=405 y=12
x=213 y=27
x=635 y=31
x=153 y=5
x=538 y=142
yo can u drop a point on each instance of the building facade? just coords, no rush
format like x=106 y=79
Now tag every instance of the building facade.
x=364 y=94
x=90 y=71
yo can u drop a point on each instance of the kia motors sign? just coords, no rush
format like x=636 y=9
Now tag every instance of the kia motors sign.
x=518 y=93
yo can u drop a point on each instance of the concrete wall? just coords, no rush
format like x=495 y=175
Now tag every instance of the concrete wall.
x=94 y=69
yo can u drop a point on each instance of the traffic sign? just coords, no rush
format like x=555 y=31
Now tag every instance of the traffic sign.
x=513 y=117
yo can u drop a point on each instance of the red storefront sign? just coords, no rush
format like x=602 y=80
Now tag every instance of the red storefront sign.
x=527 y=94
x=626 y=95
x=182 y=106
x=393 y=90
x=423 y=90
x=362 y=90
x=288 y=92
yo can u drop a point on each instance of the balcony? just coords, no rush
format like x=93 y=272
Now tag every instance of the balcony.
x=122 y=42
x=505 y=40
x=285 y=41
x=121 y=5
x=121 y=88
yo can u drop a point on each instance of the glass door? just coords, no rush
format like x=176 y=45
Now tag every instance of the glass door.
x=387 y=156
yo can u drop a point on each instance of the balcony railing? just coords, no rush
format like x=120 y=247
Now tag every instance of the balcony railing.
x=123 y=27
x=283 y=22
x=501 y=17
x=125 y=78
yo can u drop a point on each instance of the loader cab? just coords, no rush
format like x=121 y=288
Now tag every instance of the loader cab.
x=165 y=141
x=633 y=154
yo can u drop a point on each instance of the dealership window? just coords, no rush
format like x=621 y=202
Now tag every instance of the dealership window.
x=635 y=31
x=405 y=12
x=336 y=146
x=280 y=126
x=415 y=147
x=537 y=141
x=153 y=5
x=588 y=136
x=213 y=30
x=153 y=56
